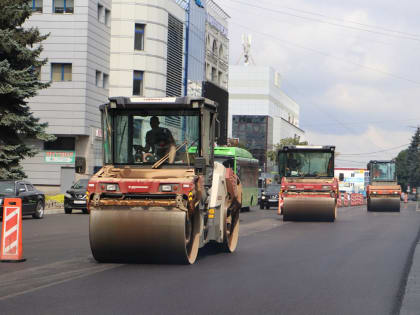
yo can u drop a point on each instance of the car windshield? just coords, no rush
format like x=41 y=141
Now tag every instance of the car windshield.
x=383 y=171
x=307 y=164
x=7 y=187
x=81 y=184
x=144 y=140
x=273 y=189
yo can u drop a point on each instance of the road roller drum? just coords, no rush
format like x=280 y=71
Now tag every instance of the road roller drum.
x=384 y=204
x=309 y=209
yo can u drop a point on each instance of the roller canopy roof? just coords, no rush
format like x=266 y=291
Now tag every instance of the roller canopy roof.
x=308 y=147
x=159 y=103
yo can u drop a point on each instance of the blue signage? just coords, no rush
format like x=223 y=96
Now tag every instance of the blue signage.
x=198 y=2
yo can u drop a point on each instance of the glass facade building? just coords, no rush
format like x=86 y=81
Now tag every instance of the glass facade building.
x=255 y=132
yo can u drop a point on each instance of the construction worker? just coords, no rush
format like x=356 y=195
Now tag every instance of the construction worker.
x=160 y=141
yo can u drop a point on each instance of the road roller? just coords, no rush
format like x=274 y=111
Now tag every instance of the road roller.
x=383 y=193
x=309 y=189
x=153 y=201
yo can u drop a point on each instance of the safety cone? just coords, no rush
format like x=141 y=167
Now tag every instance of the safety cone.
x=11 y=236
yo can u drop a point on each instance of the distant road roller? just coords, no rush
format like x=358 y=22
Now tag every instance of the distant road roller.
x=153 y=201
x=383 y=192
x=308 y=188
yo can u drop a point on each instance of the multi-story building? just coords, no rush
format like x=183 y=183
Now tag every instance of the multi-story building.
x=147 y=48
x=103 y=48
x=217 y=45
x=78 y=52
x=255 y=91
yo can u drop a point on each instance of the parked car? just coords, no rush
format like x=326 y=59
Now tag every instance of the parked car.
x=33 y=200
x=270 y=196
x=75 y=197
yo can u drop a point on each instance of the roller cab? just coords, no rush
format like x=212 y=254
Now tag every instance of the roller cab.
x=308 y=188
x=153 y=201
x=383 y=192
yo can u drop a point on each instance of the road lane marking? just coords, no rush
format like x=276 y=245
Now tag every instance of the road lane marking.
x=32 y=279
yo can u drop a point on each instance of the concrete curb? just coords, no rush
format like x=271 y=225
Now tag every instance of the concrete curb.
x=53 y=211
x=411 y=300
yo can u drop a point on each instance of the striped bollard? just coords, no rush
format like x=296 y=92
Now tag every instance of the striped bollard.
x=11 y=236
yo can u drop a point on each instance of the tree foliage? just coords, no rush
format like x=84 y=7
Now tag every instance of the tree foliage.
x=20 y=62
x=272 y=154
x=408 y=163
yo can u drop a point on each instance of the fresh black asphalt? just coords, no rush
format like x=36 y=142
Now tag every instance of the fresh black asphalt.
x=356 y=265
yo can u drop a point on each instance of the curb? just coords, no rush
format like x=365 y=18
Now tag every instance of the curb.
x=53 y=211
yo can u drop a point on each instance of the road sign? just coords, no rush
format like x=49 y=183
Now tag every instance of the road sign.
x=11 y=237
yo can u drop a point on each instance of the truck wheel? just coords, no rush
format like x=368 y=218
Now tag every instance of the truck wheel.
x=85 y=211
x=261 y=206
x=267 y=207
x=68 y=210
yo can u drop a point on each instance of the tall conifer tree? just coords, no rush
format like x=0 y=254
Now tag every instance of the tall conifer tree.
x=413 y=160
x=20 y=63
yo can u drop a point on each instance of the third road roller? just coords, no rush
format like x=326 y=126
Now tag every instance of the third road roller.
x=383 y=192
x=153 y=201
x=309 y=189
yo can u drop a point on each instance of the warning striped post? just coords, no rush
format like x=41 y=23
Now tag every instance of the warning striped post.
x=11 y=236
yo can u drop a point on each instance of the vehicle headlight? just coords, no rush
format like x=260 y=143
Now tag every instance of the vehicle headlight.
x=374 y=192
x=292 y=187
x=326 y=187
x=67 y=195
x=110 y=187
x=263 y=197
x=396 y=192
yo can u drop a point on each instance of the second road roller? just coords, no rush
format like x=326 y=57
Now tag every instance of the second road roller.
x=153 y=201
x=309 y=189
x=383 y=192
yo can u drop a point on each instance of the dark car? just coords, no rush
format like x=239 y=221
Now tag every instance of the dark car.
x=75 y=197
x=270 y=196
x=33 y=200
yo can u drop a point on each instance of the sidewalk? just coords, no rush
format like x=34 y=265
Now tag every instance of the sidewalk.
x=411 y=302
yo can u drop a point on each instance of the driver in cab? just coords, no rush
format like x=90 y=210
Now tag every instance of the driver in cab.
x=159 y=141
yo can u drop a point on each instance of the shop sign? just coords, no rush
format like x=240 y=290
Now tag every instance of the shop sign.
x=61 y=157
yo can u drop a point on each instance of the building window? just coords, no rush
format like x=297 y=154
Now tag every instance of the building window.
x=107 y=17
x=138 y=83
x=105 y=82
x=61 y=143
x=213 y=74
x=215 y=47
x=98 y=78
x=63 y=6
x=36 y=5
x=221 y=52
x=220 y=78
x=139 y=37
x=61 y=72
x=100 y=12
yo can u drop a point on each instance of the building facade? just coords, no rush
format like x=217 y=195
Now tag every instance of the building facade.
x=217 y=45
x=147 y=48
x=78 y=52
x=102 y=48
x=256 y=91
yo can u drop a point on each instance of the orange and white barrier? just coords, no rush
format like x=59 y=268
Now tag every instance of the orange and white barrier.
x=11 y=236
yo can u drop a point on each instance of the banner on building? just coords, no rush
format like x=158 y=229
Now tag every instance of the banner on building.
x=60 y=157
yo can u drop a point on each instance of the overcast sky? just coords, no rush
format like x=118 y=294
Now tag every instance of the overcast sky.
x=352 y=66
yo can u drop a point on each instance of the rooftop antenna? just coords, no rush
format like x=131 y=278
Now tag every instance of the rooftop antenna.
x=246 y=53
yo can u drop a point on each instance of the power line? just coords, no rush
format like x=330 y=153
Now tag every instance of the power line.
x=375 y=152
x=349 y=21
x=329 y=55
x=326 y=22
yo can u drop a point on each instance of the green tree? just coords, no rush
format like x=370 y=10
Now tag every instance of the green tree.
x=20 y=62
x=401 y=169
x=413 y=160
x=272 y=154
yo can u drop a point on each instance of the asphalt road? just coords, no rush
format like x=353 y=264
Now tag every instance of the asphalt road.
x=357 y=265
